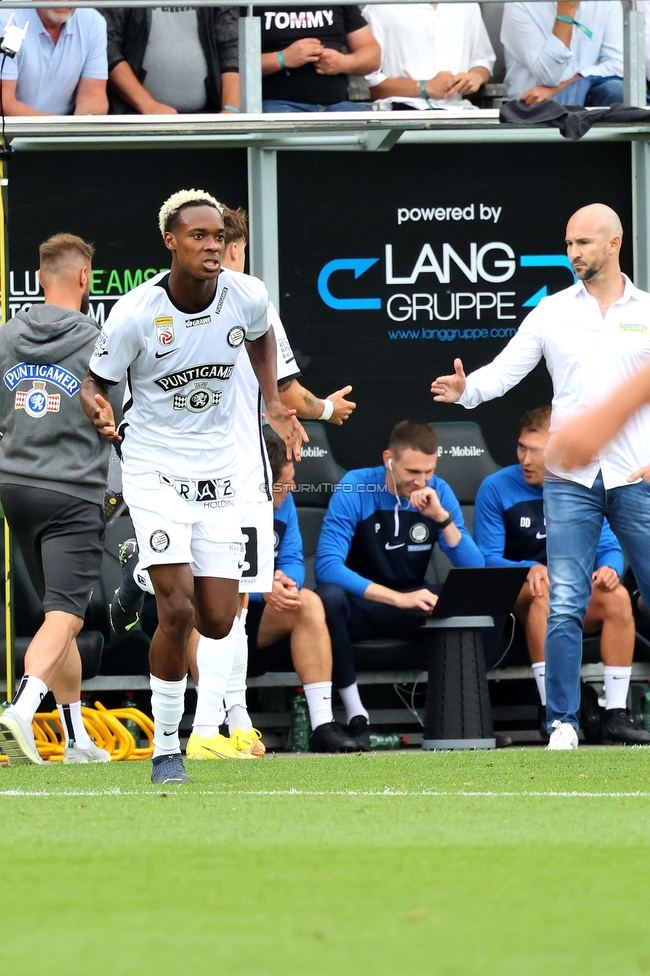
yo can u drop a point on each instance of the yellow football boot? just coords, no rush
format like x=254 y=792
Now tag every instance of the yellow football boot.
x=216 y=747
x=248 y=744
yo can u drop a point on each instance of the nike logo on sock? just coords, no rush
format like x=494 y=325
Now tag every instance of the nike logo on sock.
x=171 y=733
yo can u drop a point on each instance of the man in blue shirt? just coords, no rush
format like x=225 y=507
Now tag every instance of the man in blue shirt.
x=292 y=619
x=374 y=549
x=510 y=530
x=61 y=68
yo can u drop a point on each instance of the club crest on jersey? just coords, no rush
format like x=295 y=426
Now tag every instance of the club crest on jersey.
x=37 y=401
x=236 y=336
x=159 y=541
x=165 y=330
x=199 y=399
x=419 y=532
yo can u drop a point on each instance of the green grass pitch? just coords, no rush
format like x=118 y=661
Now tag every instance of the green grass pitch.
x=514 y=863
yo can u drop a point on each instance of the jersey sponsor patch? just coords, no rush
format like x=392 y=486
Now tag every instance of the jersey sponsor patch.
x=165 y=329
x=201 y=398
x=207 y=490
x=37 y=401
x=57 y=375
x=222 y=298
x=183 y=377
x=201 y=320
x=236 y=336
x=159 y=540
x=633 y=327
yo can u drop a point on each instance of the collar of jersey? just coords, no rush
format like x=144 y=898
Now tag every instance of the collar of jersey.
x=164 y=284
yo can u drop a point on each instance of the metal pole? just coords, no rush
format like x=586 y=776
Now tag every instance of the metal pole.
x=263 y=209
x=634 y=76
x=250 y=63
x=4 y=301
x=641 y=213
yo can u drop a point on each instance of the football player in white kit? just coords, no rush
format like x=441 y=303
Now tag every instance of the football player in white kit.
x=178 y=337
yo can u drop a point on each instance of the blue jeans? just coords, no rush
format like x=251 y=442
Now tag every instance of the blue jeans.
x=574 y=518
x=592 y=91
x=278 y=105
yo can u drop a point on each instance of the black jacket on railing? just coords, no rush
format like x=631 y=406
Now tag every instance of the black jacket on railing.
x=128 y=33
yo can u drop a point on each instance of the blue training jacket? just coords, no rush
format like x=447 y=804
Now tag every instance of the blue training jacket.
x=365 y=539
x=287 y=544
x=510 y=528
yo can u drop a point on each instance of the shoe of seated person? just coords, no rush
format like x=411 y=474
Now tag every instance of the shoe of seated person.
x=214 y=747
x=168 y=769
x=248 y=743
x=359 y=730
x=541 y=719
x=17 y=739
x=91 y=753
x=126 y=606
x=618 y=726
x=330 y=737
x=563 y=738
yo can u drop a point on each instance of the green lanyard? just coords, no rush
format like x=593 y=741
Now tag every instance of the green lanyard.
x=570 y=20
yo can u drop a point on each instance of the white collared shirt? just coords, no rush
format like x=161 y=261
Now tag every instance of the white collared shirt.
x=418 y=41
x=535 y=56
x=589 y=357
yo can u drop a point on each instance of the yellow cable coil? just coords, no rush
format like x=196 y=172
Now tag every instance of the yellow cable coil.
x=104 y=725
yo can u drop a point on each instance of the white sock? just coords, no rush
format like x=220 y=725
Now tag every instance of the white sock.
x=214 y=661
x=30 y=693
x=617 y=683
x=142 y=579
x=539 y=673
x=352 y=701
x=167 y=705
x=74 y=729
x=238 y=717
x=319 y=703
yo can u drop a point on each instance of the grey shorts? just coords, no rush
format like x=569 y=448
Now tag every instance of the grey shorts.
x=61 y=539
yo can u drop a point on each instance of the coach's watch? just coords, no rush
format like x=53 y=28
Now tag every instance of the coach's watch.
x=443 y=525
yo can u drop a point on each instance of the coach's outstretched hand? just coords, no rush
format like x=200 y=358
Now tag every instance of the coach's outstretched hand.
x=342 y=408
x=104 y=419
x=448 y=389
x=287 y=426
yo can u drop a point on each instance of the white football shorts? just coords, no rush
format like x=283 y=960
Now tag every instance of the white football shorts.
x=180 y=520
x=257 y=529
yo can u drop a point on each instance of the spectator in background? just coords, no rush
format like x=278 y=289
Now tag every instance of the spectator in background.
x=304 y=67
x=61 y=66
x=570 y=52
x=510 y=530
x=374 y=550
x=169 y=59
x=431 y=55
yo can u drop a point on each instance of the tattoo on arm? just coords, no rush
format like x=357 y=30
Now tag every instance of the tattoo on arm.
x=312 y=405
x=283 y=387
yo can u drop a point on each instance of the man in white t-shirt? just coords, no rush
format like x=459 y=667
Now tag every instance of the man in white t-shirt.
x=431 y=55
x=178 y=337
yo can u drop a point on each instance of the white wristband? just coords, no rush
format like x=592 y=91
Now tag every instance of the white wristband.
x=328 y=410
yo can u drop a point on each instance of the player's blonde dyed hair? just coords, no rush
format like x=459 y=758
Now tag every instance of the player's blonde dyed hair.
x=184 y=198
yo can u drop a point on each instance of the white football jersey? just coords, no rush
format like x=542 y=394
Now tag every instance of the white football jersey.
x=254 y=475
x=179 y=406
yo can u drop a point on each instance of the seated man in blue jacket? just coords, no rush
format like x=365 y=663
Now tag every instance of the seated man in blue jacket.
x=510 y=530
x=374 y=549
x=292 y=619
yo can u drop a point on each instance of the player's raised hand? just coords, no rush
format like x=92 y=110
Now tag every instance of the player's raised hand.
x=342 y=408
x=104 y=419
x=287 y=426
x=448 y=389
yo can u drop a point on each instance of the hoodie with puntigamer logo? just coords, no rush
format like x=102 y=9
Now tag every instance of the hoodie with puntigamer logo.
x=46 y=439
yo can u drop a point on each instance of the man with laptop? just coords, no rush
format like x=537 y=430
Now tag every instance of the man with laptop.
x=374 y=549
x=510 y=530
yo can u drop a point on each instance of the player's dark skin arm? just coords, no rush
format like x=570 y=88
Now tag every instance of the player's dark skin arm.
x=94 y=401
x=262 y=354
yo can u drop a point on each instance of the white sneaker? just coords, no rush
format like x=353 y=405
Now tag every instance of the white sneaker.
x=563 y=737
x=17 y=739
x=86 y=754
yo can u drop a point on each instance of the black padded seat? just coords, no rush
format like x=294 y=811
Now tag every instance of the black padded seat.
x=464 y=459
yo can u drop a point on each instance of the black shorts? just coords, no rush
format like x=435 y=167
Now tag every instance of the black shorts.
x=275 y=657
x=61 y=539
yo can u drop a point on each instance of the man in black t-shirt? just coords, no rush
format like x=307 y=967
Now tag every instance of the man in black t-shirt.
x=304 y=68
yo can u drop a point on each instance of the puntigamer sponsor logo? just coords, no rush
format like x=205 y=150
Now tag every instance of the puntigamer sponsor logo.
x=210 y=371
x=54 y=374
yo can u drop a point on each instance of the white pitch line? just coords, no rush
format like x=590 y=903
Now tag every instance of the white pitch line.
x=116 y=791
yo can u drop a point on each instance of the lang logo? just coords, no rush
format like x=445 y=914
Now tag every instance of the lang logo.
x=359 y=266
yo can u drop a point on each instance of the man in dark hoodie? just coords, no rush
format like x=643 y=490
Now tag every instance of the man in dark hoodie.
x=53 y=470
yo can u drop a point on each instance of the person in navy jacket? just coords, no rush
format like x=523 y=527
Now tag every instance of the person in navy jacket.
x=510 y=530
x=374 y=549
x=290 y=619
